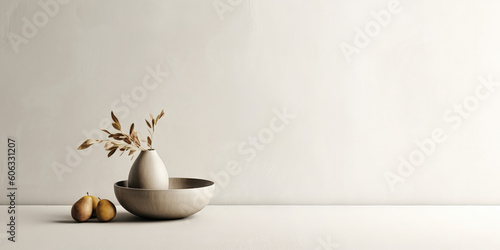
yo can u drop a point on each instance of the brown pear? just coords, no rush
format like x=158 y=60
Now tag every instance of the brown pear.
x=94 y=205
x=105 y=210
x=82 y=209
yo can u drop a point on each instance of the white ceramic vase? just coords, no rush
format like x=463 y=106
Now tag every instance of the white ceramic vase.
x=148 y=172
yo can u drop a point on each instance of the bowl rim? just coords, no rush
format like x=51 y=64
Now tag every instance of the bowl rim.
x=209 y=184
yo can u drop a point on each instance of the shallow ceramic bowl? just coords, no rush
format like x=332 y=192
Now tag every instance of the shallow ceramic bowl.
x=185 y=197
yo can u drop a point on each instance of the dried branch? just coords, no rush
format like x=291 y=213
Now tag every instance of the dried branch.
x=121 y=141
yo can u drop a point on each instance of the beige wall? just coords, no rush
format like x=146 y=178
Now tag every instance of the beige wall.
x=226 y=71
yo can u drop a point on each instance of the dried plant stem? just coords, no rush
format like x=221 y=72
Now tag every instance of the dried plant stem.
x=121 y=141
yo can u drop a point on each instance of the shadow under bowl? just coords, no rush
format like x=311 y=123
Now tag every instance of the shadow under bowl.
x=185 y=197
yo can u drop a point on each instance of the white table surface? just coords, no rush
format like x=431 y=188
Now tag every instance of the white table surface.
x=264 y=227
